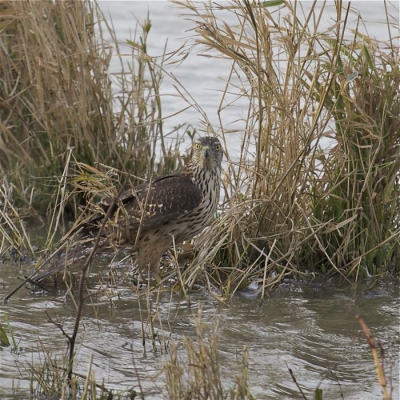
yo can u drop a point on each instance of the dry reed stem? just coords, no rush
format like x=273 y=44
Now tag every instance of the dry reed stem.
x=372 y=345
x=196 y=372
x=58 y=102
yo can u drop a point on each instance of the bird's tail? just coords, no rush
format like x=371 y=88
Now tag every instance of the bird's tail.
x=73 y=259
x=81 y=243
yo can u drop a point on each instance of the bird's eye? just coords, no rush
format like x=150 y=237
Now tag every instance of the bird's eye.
x=197 y=146
x=217 y=147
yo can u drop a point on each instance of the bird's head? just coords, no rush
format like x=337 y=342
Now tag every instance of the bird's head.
x=207 y=153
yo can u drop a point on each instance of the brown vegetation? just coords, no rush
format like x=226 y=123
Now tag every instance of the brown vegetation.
x=297 y=206
x=307 y=207
x=58 y=105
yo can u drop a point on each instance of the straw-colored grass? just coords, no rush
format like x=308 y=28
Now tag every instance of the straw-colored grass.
x=61 y=118
x=196 y=373
x=296 y=206
x=303 y=204
x=58 y=105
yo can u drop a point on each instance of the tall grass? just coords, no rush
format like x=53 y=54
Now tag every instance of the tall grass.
x=308 y=204
x=66 y=133
x=196 y=374
x=58 y=106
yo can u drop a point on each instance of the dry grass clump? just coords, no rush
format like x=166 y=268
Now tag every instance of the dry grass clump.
x=357 y=197
x=58 y=106
x=196 y=373
x=301 y=203
x=63 y=124
x=13 y=233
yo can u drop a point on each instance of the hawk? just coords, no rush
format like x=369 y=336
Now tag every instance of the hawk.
x=168 y=209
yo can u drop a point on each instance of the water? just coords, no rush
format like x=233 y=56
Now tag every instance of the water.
x=205 y=78
x=201 y=79
x=313 y=331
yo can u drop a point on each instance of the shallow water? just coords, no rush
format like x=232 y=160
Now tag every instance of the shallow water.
x=313 y=331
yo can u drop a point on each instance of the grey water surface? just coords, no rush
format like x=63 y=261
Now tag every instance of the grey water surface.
x=311 y=330
x=202 y=79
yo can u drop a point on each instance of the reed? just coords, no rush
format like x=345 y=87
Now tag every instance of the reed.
x=58 y=104
x=70 y=130
x=196 y=372
x=321 y=191
x=298 y=205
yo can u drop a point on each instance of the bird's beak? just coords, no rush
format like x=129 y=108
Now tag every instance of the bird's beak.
x=206 y=152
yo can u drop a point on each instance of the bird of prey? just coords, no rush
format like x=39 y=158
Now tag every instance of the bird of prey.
x=168 y=209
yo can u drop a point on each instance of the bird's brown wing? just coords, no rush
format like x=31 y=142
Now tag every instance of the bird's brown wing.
x=152 y=204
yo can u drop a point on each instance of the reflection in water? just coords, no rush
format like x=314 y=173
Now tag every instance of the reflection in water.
x=312 y=331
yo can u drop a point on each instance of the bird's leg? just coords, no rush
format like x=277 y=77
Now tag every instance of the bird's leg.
x=156 y=273
x=158 y=277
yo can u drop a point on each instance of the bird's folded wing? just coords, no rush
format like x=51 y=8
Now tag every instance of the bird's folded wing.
x=165 y=199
